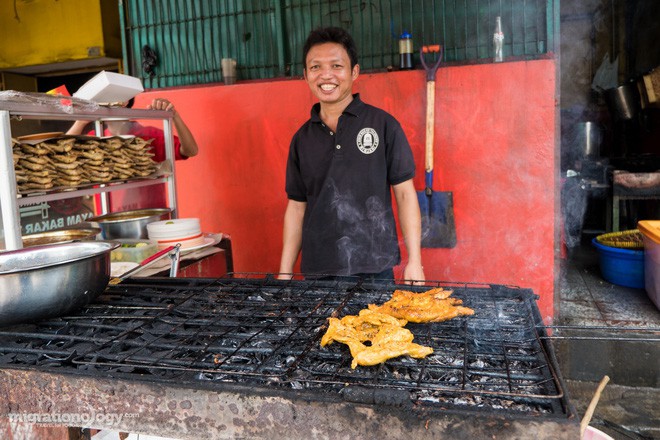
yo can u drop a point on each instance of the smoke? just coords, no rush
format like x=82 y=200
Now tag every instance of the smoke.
x=574 y=208
x=344 y=206
x=367 y=227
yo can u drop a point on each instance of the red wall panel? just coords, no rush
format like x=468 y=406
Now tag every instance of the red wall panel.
x=494 y=149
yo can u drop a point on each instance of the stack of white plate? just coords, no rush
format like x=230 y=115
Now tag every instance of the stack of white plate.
x=186 y=231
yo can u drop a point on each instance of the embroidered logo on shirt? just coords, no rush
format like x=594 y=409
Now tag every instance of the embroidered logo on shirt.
x=367 y=140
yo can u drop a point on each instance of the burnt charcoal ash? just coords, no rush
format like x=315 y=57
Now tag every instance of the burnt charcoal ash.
x=476 y=401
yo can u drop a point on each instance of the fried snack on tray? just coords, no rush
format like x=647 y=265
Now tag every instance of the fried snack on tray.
x=387 y=336
x=431 y=306
x=75 y=160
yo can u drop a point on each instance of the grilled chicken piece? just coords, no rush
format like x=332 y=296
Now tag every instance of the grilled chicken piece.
x=346 y=334
x=362 y=328
x=382 y=326
x=375 y=355
x=387 y=336
x=431 y=306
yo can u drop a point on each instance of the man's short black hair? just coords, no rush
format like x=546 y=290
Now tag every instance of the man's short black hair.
x=331 y=35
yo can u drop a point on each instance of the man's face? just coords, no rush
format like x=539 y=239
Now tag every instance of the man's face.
x=328 y=73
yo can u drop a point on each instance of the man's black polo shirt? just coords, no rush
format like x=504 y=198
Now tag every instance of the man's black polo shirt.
x=345 y=179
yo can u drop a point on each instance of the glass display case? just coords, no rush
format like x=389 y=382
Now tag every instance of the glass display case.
x=19 y=106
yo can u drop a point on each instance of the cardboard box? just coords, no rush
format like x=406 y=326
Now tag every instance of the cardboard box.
x=650 y=230
x=110 y=87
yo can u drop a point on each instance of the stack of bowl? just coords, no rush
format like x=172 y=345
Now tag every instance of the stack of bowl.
x=186 y=231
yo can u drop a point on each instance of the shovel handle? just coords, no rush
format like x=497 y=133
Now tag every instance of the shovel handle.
x=430 y=122
x=431 y=68
x=430 y=100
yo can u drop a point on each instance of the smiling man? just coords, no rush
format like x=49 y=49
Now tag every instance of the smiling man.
x=344 y=163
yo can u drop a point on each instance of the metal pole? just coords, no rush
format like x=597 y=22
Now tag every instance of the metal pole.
x=103 y=197
x=10 y=217
x=169 y=155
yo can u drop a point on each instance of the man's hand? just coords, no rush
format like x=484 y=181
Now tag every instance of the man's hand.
x=161 y=104
x=413 y=274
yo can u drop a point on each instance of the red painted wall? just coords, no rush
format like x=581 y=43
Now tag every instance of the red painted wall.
x=494 y=149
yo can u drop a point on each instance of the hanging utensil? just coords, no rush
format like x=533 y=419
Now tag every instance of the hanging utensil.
x=437 y=207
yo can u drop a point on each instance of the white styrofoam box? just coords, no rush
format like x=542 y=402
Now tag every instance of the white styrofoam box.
x=110 y=87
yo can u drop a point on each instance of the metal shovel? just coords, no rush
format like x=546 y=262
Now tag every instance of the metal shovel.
x=437 y=207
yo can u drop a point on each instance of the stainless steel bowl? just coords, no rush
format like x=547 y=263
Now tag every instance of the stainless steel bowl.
x=60 y=236
x=52 y=280
x=129 y=224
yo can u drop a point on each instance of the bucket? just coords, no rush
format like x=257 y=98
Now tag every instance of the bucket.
x=623 y=267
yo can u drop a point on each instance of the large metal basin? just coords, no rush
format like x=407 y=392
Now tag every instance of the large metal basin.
x=129 y=224
x=60 y=236
x=52 y=280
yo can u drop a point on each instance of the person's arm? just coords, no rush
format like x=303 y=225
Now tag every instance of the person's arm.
x=410 y=220
x=77 y=128
x=188 y=144
x=292 y=237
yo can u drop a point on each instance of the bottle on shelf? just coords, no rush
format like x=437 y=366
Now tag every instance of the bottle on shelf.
x=498 y=41
x=405 y=51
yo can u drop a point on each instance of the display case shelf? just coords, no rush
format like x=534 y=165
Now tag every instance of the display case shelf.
x=21 y=106
x=87 y=190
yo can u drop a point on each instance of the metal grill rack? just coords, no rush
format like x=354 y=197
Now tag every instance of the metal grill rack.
x=265 y=332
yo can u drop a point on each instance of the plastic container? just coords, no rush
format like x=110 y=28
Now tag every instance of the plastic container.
x=134 y=250
x=650 y=230
x=592 y=433
x=623 y=267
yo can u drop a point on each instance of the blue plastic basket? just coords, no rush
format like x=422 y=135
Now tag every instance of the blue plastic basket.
x=624 y=267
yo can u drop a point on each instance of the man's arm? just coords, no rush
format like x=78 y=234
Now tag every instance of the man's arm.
x=77 y=128
x=292 y=237
x=411 y=227
x=188 y=144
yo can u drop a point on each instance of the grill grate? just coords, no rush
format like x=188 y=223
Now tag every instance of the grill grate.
x=265 y=332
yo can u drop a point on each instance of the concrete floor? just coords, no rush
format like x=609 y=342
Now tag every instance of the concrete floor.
x=604 y=329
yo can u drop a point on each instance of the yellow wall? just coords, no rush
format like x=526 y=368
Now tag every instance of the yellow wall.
x=36 y=32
